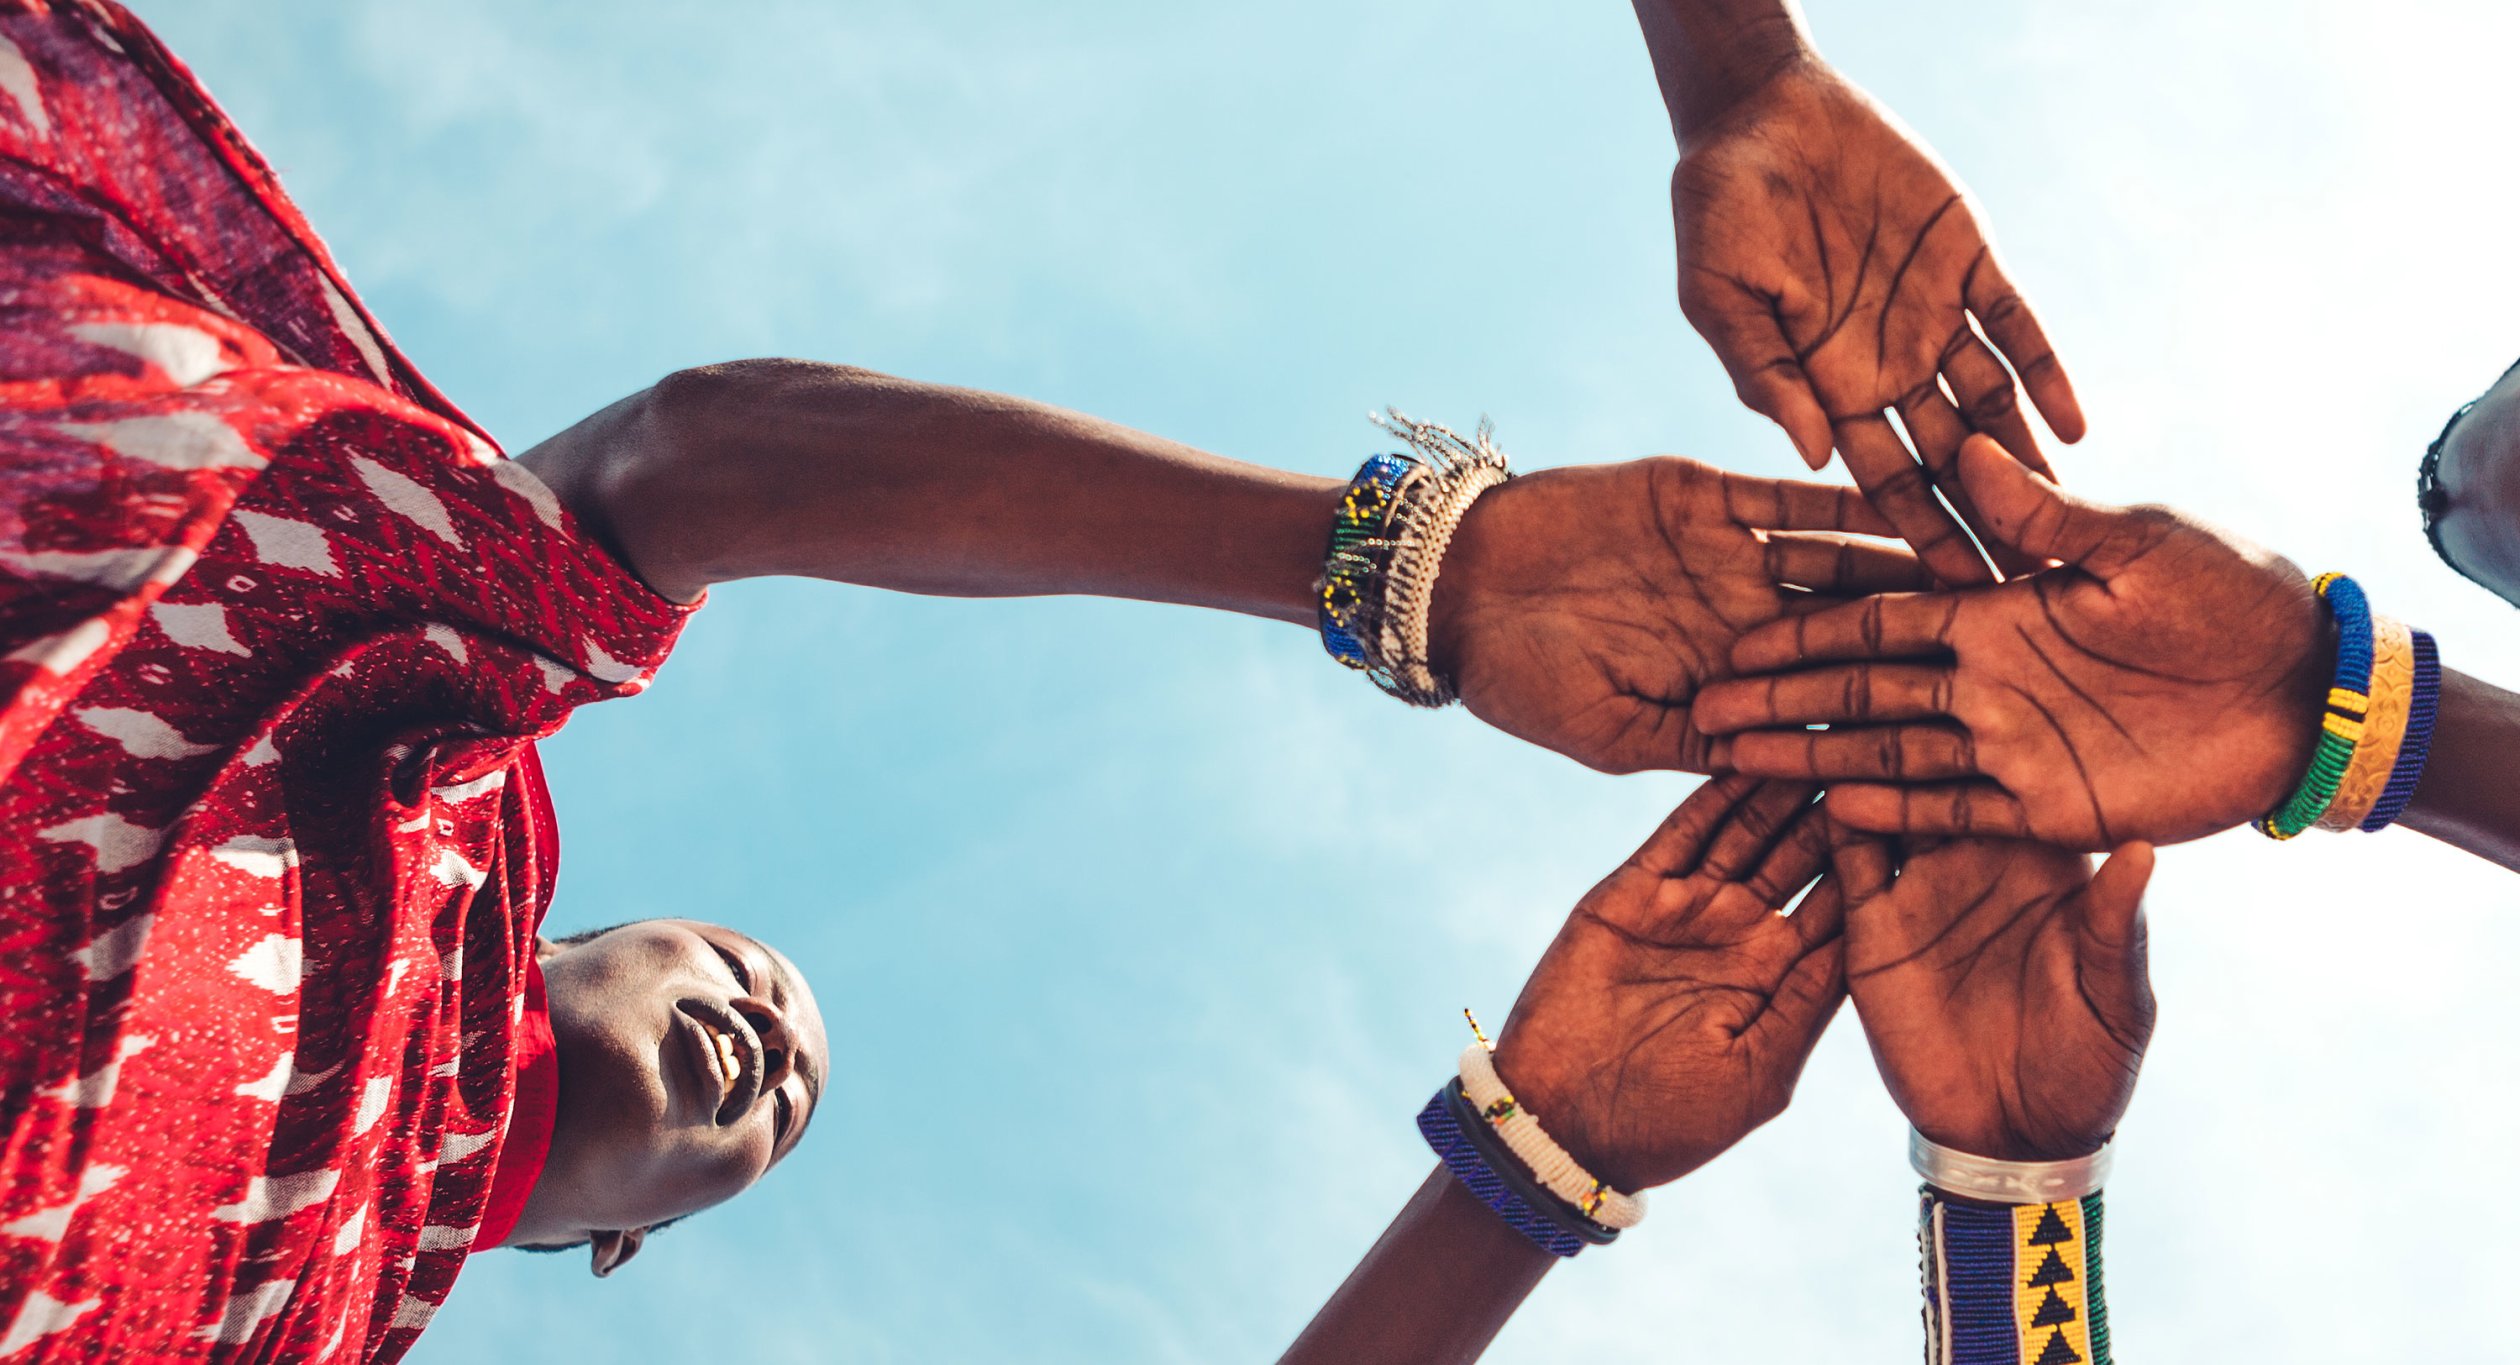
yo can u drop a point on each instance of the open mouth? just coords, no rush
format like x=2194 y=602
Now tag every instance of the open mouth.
x=730 y=1057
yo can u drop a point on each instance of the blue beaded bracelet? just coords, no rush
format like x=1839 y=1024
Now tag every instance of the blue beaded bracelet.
x=2421 y=710
x=1451 y=1128
x=1357 y=555
x=2012 y=1284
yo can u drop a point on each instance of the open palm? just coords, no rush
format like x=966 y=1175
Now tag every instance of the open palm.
x=2002 y=988
x=1835 y=265
x=1674 y=1011
x=1582 y=608
x=2163 y=683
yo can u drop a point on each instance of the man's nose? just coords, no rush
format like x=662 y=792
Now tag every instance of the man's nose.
x=778 y=1042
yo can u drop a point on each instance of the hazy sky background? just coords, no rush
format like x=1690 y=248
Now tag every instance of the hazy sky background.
x=1136 y=973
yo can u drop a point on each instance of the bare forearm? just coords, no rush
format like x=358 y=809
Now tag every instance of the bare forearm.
x=1709 y=53
x=792 y=468
x=1435 y=1289
x=2468 y=797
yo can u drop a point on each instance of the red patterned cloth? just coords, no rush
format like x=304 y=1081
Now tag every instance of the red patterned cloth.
x=278 y=627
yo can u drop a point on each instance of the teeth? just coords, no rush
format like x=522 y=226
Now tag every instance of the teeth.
x=727 y=1060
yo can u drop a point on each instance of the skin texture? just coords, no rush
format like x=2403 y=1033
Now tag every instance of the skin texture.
x=1578 y=608
x=2002 y=987
x=1671 y=1016
x=645 y=1130
x=1838 y=270
x=2479 y=472
x=1594 y=643
x=2163 y=683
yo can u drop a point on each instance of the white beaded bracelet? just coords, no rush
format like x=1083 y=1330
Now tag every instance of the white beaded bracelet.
x=2008 y=1182
x=1552 y=1165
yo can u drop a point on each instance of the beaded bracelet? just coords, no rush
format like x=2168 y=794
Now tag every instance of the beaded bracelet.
x=2390 y=697
x=2417 y=745
x=2012 y=1284
x=1469 y=1149
x=2376 y=729
x=2341 y=726
x=1358 y=552
x=1387 y=544
x=2011 y=1261
x=1552 y=1165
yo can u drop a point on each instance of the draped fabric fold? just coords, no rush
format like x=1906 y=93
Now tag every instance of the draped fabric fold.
x=278 y=629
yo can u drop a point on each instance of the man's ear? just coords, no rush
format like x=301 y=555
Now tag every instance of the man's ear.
x=613 y=1250
x=544 y=948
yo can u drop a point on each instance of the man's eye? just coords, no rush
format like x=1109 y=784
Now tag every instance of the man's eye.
x=786 y=1114
x=743 y=977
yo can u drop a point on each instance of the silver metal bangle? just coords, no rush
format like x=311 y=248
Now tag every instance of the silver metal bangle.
x=2008 y=1182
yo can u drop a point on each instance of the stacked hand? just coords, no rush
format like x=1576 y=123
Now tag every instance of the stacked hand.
x=2002 y=986
x=2163 y=683
x=1582 y=608
x=1834 y=265
x=1675 y=1010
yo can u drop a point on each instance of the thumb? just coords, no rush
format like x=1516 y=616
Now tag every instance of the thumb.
x=1767 y=376
x=2034 y=516
x=2113 y=957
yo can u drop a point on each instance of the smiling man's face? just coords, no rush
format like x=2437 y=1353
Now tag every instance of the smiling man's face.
x=691 y=1057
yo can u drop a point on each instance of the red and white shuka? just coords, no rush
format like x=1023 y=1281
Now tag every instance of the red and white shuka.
x=278 y=629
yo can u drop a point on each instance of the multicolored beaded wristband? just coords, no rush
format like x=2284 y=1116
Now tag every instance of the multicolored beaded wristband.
x=1359 y=551
x=2376 y=729
x=1387 y=545
x=2341 y=725
x=2012 y=1284
x=1470 y=1150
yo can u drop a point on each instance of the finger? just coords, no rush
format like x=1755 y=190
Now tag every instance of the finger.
x=1802 y=854
x=1803 y=1003
x=1792 y=505
x=1742 y=328
x=2114 y=901
x=2043 y=521
x=1939 y=430
x=1871 y=753
x=1898 y=486
x=1674 y=847
x=1865 y=864
x=1989 y=401
x=2113 y=953
x=1867 y=693
x=2015 y=329
x=1754 y=826
x=1824 y=562
x=1890 y=626
x=1822 y=914
x=1945 y=808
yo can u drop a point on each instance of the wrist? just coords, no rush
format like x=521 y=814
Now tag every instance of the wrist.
x=1709 y=64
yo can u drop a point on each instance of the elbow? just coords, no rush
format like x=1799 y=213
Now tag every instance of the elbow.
x=683 y=475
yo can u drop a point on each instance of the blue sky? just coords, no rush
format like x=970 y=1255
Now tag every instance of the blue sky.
x=1135 y=972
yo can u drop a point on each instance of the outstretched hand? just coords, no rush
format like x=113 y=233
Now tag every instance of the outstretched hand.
x=2162 y=684
x=2002 y=987
x=1834 y=265
x=1676 y=1008
x=1581 y=608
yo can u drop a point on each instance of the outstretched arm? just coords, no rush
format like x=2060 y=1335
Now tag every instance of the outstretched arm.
x=1839 y=271
x=1579 y=608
